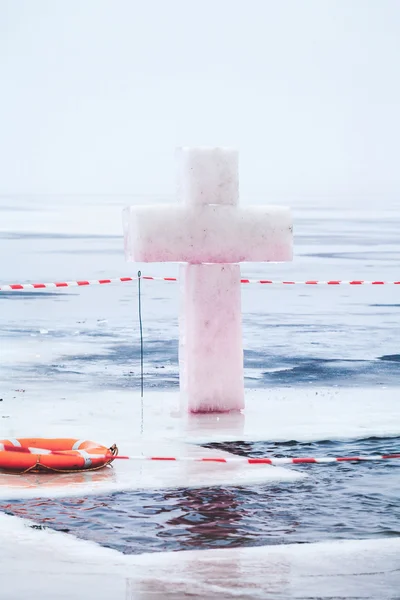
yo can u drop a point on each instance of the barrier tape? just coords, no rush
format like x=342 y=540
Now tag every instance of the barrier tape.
x=13 y=287
x=236 y=459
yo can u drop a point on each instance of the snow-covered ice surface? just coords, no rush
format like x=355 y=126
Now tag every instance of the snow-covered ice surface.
x=110 y=417
x=320 y=364
x=56 y=565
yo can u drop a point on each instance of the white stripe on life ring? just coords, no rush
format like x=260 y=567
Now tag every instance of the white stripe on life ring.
x=77 y=444
x=39 y=451
x=14 y=442
x=86 y=456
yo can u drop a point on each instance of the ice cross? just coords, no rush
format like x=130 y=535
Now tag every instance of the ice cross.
x=208 y=226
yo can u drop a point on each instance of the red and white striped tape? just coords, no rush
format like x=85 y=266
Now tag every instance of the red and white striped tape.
x=13 y=287
x=264 y=461
x=225 y=460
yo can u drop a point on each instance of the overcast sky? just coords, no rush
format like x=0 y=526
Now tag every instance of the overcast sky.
x=96 y=94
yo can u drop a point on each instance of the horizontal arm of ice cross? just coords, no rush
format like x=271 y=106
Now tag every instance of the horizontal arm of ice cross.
x=208 y=234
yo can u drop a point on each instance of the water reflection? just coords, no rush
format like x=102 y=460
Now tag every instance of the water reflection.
x=206 y=516
x=204 y=425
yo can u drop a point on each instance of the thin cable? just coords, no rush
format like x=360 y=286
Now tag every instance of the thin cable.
x=141 y=351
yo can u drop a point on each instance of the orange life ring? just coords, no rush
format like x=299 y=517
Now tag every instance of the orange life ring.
x=25 y=455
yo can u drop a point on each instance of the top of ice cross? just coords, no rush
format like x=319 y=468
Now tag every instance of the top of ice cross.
x=208 y=176
x=208 y=226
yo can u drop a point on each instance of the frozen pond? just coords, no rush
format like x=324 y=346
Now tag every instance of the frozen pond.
x=322 y=375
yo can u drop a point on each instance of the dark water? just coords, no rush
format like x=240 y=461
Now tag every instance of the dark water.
x=338 y=501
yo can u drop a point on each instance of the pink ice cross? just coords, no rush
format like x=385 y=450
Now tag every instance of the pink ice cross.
x=211 y=233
